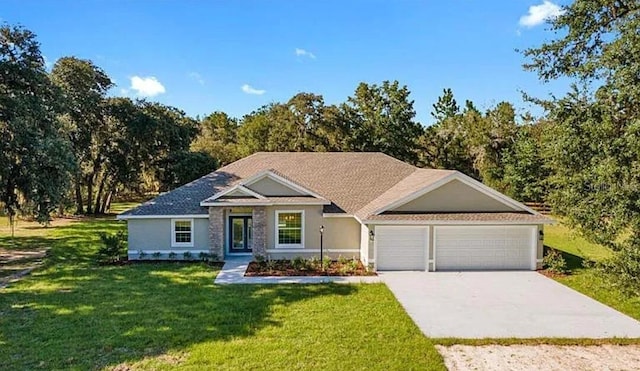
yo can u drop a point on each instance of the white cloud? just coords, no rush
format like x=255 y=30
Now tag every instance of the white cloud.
x=304 y=53
x=146 y=86
x=196 y=77
x=538 y=14
x=251 y=90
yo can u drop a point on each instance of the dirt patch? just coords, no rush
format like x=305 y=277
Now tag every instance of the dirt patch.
x=307 y=268
x=541 y=357
x=15 y=264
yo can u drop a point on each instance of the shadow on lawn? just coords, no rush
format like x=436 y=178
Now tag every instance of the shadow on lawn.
x=74 y=314
x=573 y=261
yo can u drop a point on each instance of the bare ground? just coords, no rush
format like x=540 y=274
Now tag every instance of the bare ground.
x=541 y=357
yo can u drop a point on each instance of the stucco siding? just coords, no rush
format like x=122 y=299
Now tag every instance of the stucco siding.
x=341 y=233
x=269 y=187
x=454 y=196
x=155 y=235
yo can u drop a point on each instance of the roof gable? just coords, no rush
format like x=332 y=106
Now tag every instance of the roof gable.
x=453 y=196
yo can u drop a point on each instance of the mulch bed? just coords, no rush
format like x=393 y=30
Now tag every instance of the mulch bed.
x=285 y=268
x=549 y=274
x=140 y=262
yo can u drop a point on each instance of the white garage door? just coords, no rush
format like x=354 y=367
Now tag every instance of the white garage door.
x=401 y=248
x=475 y=247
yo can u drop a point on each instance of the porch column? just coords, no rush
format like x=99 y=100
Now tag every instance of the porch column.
x=259 y=231
x=216 y=232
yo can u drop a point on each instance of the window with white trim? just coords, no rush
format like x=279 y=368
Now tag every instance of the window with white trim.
x=289 y=229
x=181 y=232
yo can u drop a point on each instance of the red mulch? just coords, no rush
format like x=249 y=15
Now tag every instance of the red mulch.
x=284 y=268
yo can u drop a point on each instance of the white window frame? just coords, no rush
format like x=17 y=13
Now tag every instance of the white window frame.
x=277 y=244
x=173 y=233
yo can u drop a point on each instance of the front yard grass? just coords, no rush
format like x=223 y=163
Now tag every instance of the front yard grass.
x=586 y=280
x=73 y=314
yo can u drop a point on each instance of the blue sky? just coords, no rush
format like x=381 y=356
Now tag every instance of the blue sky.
x=235 y=56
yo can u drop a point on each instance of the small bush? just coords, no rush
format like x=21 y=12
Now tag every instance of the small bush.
x=326 y=262
x=156 y=255
x=554 y=262
x=204 y=256
x=298 y=263
x=141 y=255
x=259 y=258
x=342 y=260
x=314 y=263
x=113 y=246
x=271 y=264
x=172 y=256
x=187 y=255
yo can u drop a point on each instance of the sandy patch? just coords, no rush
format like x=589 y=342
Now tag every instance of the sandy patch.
x=541 y=357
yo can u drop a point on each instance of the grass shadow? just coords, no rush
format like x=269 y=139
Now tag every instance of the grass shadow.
x=139 y=311
x=573 y=261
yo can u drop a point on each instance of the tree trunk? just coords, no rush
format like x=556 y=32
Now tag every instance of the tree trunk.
x=107 y=201
x=98 y=208
x=79 y=205
x=89 y=194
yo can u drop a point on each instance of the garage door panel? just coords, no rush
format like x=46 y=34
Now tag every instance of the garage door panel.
x=477 y=248
x=401 y=247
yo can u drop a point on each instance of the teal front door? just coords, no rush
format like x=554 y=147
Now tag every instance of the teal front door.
x=240 y=234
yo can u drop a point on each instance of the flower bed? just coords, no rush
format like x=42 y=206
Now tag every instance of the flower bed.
x=308 y=267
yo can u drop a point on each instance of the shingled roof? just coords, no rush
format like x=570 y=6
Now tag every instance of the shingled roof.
x=356 y=183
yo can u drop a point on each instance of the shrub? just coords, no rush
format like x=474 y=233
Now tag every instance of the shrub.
x=259 y=259
x=156 y=255
x=271 y=264
x=141 y=255
x=623 y=269
x=342 y=260
x=172 y=256
x=187 y=255
x=113 y=246
x=314 y=263
x=554 y=262
x=298 y=263
x=326 y=262
x=353 y=265
x=204 y=256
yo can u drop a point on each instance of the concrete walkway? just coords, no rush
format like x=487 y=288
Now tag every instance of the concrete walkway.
x=503 y=305
x=234 y=268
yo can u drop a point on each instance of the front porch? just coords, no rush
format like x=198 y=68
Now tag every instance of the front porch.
x=238 y=231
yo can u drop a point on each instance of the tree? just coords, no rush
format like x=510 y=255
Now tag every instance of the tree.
x=593 y=148
x=218 y=137
x=381 y=118
x=524 y=170
x=84 y=87
x=182 y=167
x=34 y=157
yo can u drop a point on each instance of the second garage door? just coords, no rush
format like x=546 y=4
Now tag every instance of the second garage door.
x=401 y=247
x=480 y=247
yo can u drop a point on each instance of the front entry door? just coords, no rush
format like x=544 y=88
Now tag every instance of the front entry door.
x=240 y=234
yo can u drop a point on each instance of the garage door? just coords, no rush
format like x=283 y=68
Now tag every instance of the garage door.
x=474 y=247
x=401 y=248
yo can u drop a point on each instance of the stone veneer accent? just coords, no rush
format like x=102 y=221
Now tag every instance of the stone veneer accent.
x=259 y=231
x=216 y=232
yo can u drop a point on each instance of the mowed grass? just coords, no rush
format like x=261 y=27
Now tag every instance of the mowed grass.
x=74 y=314
x=587 y=280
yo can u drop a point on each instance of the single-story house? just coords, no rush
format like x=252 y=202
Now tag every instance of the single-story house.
x=389 y=214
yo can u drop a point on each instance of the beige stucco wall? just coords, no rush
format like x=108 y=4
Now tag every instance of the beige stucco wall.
x=269 y=187
x=341 y=233
x=155 y=235
x=454 y=196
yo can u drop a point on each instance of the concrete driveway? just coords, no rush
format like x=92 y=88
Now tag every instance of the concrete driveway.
x=503 y=305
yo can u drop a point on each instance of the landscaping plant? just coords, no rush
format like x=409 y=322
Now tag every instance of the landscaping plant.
x=113 y=246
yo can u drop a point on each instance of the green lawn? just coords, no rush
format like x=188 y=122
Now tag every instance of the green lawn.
x=72 y=314
x=586 y=280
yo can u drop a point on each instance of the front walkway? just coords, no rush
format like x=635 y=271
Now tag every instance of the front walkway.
x=234 y=268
